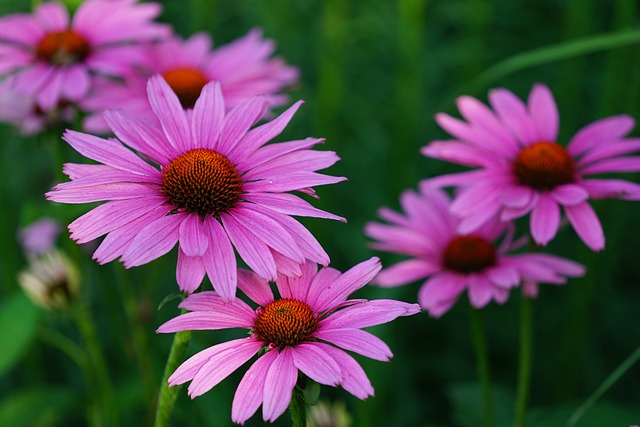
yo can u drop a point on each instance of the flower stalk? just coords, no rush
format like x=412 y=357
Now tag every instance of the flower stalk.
x=524 y=370
x=482 y=365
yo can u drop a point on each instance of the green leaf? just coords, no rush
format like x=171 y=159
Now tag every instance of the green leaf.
x=37 y=407
x=18 y=327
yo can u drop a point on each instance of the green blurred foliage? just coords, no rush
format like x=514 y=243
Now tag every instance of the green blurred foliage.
x=373 y=75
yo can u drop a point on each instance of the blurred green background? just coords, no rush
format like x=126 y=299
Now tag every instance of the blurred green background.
x=373 y=74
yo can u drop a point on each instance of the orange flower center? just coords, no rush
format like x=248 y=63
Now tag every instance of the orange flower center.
x=187 y=83
x=201 y=181
x=469 y=254
x=63 y=48
x=285 y=323
x=544 y=166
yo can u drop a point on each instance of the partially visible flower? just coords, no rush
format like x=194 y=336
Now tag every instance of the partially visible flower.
x=244 y=68
x=453 y=262
x=218 y=186
x=51 y=281
x=39 y=237
x=327 y=414
x=52 y=58
x=523 y=169
x=306 y=330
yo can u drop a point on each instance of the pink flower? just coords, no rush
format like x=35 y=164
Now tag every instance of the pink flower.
x=53 y=58
x=218 y=186
x=305 y=330
x=523 y=169
x=39 y=237
x=243 y=68
x=453 y=262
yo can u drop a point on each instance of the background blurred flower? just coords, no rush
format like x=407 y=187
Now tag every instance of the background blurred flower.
x=305 y=330
x=454 y=262
x=522 y=168
x=244 y=68
x=52 y=58
x=39 y=237
x=218 y=187
x=327 y=414
x=51 y=280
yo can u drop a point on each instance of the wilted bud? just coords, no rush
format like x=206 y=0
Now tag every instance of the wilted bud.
x=326 y=414
x=51 y=281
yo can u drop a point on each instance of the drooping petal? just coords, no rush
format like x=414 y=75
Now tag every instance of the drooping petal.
x=255 y=287
x=193 y=239
x=545 y=220
x=220 y=260
x=250 y=392
x=586 y=223
x=278 y=385
x=368 y=313
x=316 y=364
x=189 y=272
x=154 y=240
x=358 y=341
x=354 y=380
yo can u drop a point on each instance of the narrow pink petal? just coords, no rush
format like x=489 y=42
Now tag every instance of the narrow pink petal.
x=544 y=113
x=154 y=240
x=189 y=272
x=560 y=265
x=193 y=239
x=406 y=272
x=110 y=216
x=516 y=196
x=50 y=93
x=586 y=223
x=212 y=301
x=481 y=116
x=358 y=341
x=52 y=16
x=545 y=220
x=259 y=136
x=251 y=249
x=187 y=370
x=272 y=151
x=255 y=287
x=250 y=391
x=220 y=260
x=480 y=290
x=610 y=188
x=347 y=283
x=297 y=287
x=285 y=265
x=611 y=149
x=208 y=116
x=479 y=218
x=615 y=165
x=238 y=122
x=108 y=151
x=208 y=321
x=299 y=161
x=76 y=83
x=457 y=152
x=71 y=192
x=368 y=313
x=454 y=179
x=514 y=114
x=354 y=380
x=289 y=204
x=291 y=182
x=221 y=364
x=600 y=132
x=322 y=281
x=141 y=136
x=167 y=108
x=278 y=385
x=20 y=28
x=312 y=361
x=441 y=288
x=569 y=194
x=505 y=276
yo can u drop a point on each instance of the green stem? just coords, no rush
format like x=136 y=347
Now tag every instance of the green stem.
x=97 y=362
x=606 y=385
x=524 y=373
x=297 y=409
x=480 y=347
x=168 y=396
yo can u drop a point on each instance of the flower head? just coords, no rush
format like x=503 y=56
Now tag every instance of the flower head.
x=306 y=330
x=218 y=186
x=244 y=68
x=453 y=262
x=523 y=169
x=52 y=57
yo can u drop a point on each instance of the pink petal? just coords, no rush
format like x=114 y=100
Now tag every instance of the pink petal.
x=189 y=272
x=238 y=122
x=441 y=288
x=220 y=260
x=354 y=380
x=167 y=108
x=615 y=165
x=569 y=194
x=516 y=196
x=278 y=385
x=358 y=341
x=514 y=114
x=406 y=272
x=154 y=240
x=586 y=223
x=212 y=301
x=222 y=363
x=457 y=152
x=544 y=113
x=233 y=317
x=312 y=361
x=255 y=287
x=480 y=290
x=193 y=239
x=76 y=83
x=250 y=391
x=208 y=116
x=545 y=220
x=320 y=284
x=600 y=132
x=289 y=204
x=504 y=276
x=52 y=16
x=297 y=287
x=483 y=118
x=291 y=182
x=363 y=314
x=608 y=188
x=51 y=92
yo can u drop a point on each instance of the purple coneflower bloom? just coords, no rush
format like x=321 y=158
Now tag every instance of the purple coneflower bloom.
x=523 y=169
x=453 y=262
x=218 y=186
x=244 y=68
x=39 y=237
x=305 y=330
x=53 y=58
